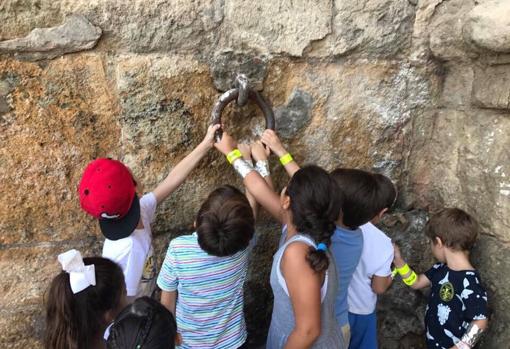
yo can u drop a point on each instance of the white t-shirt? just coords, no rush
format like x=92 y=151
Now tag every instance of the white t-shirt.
x=376 y=259
x=134 y=253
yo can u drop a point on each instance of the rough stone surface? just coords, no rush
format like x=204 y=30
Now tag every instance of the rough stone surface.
x=295 y=114
x=492 y=87
x=417 y=90
x=75 y=34
x=368 y=27
x=225 y=66
x=279 y=26
x=488 y=26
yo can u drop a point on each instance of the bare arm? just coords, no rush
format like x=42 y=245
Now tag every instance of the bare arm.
x=399 y=262
x=304 y=287
x=381 y=283
x=168 y=299
x=270 y=138
x=257 y=186
x=179 y=173
x=246 y=151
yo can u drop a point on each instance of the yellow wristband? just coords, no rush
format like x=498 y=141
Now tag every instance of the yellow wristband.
x=411 y=280
x=234 y=155
x=404 y=270
x=285 y=159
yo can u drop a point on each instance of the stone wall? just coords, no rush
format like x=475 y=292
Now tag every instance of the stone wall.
x=416 y=89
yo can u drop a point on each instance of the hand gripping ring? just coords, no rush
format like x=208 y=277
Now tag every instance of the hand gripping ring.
x=233 y=94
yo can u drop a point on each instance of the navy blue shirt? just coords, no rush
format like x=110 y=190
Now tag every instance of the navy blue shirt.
x=456 y=299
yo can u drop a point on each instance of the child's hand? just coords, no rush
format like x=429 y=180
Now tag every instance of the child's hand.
x=270 y=138
x=226 y=144
x=209 y=136
x=397 y=257
x=259 y=152
x=245 y=150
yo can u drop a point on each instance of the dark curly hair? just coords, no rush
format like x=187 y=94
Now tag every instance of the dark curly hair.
x=315 y=205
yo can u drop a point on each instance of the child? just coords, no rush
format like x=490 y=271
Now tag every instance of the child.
x=302 y=278
x=108 y=192
x=457 y=311
x=82 y=300
x=367 y=196
x=208 y=269
x=144 y=324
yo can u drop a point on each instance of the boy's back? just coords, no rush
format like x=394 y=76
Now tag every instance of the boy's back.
x=376 y=259
x=456 y=299
x=209 y=307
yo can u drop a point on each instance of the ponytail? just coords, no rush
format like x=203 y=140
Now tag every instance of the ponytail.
x=315 y=205
x=75 y=321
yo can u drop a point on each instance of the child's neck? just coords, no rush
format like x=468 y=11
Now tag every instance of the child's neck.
x=458 y=260
x=340 y=224
x=291 y=230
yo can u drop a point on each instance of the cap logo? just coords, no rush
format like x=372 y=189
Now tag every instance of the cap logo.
x=107 y=216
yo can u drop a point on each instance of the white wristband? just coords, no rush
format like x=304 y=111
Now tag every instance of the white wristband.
x=242 y=167
x=462 y=345
x=262 y=167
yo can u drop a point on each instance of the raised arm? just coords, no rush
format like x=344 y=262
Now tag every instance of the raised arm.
x=179 y=173
x=246 y=152
x=270 y=138
x=257 y=186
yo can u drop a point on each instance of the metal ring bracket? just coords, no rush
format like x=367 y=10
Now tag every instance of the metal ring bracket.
x=233 y=94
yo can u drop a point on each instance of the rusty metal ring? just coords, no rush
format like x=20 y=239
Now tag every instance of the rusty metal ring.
x=231 y=95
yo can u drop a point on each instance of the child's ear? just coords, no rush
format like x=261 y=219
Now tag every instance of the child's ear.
x=438 y=242
x=285 y=202
x=194 y=224
x=178 y=339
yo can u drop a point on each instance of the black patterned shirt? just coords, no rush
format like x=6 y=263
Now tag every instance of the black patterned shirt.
x=456 y=299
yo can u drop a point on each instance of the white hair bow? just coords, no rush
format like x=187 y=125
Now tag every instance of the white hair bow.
x=81 y=276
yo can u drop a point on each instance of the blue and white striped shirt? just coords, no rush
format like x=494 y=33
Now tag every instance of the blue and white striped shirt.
x=209 y=309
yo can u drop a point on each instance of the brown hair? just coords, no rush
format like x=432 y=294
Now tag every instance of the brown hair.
x=456 y=229
x=225 y=222
x=365 y=195
x=74 y=321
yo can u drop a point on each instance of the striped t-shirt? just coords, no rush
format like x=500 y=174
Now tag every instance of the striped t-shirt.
x=209 y=309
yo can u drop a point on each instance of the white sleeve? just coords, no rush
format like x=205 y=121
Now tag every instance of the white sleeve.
x=134 y=269
x=148 y=205
x=385 y=259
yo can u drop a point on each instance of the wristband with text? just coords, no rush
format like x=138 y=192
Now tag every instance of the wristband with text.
x=285 y=159
x=411 y=279
x=404 y=270
x=234 y=155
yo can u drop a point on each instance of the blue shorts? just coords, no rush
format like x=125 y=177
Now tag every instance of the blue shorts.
x=363 y=331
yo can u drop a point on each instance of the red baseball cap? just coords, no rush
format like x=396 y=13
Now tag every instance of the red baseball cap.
x=108 y=192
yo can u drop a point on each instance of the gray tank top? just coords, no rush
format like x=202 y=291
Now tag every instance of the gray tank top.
x=283 y=321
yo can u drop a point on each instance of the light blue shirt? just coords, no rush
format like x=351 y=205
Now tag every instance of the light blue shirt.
x=346 y=247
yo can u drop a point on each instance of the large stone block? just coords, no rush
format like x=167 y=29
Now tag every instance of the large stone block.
x=360 y=111
x=62 y=118
x=464 y=162
x=491 y=88
x=75 y=34
x=280 y=26
x=368 y=27
x=133 y=25
x=488 y=26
